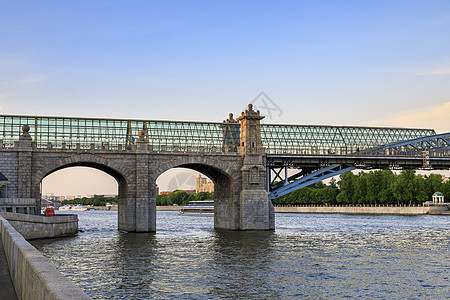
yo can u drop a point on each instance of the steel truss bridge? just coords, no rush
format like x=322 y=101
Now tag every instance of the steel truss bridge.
x=317 y=152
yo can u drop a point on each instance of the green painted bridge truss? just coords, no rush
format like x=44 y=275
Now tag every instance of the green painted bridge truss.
x=428 y=152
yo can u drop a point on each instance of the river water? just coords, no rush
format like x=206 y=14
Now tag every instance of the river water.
x=312 y=256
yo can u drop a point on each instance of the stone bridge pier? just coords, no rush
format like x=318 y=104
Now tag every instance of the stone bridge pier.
x=239 y=175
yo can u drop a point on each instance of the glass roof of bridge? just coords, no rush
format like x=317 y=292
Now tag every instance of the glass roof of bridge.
x=311 y=139
x=166 y=135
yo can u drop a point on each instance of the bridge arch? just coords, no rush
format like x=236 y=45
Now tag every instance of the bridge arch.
x=110 y=167
x=121 y=174
x=226 y=177
x=211 y=167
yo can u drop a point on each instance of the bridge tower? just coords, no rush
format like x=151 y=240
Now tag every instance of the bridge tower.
x=256 y=209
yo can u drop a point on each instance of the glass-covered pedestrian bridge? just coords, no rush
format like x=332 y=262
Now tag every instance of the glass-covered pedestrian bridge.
x=86 y=133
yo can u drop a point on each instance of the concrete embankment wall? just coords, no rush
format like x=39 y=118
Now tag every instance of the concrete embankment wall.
x=368 y=210
x=160 y=208
x=111 y=208
x=168 y=208
x=33 y=276
x=39 y=227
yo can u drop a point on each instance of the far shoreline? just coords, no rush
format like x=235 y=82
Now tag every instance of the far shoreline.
x=350 y=210
x=354 y=210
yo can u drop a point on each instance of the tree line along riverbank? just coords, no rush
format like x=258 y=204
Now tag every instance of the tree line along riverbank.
x=374 y=188
x=380 y=187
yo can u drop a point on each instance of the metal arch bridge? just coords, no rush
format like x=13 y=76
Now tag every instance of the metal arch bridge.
x=318 y=151
x=429 y=152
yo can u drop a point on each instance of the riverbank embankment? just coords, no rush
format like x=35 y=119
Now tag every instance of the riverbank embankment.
x=168 y=208
x=42 y=227
x=355 y=210
x=32 y=275
x=366 y=210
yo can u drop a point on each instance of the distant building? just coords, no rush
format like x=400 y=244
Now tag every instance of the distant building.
x=202 y=185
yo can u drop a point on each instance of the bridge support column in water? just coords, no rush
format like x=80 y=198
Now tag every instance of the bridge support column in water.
x=256 y=209
x=137 y=207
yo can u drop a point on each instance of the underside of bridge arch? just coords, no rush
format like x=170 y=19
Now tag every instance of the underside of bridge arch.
x=226 y=194
x=125 y=196
x=121 y=181
x=107 y=169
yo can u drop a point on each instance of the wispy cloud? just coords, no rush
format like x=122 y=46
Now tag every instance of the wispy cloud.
x=25 y=80
x=439 y=71
x=426 y=71
x=436 y=117
x=32 y=79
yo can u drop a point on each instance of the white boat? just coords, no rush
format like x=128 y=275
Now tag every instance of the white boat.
x=198 y=208
x=73 y=208
x=79 y=208
x=65 y=207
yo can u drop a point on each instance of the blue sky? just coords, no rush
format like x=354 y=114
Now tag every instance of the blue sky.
x=378 y=63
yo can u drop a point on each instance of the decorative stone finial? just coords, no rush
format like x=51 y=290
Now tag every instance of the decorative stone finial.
x=230 y=119
x=25 y=129
x=141 y=134
x=250 y=114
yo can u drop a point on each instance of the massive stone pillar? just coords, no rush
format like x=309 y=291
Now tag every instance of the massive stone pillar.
x=24 y=169
x=256 y=209
x=227 y=190
x=137 y=211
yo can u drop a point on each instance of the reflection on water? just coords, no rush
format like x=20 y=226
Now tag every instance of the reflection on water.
x=308 y=256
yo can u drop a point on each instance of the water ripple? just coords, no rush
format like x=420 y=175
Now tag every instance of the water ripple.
x=308 y=256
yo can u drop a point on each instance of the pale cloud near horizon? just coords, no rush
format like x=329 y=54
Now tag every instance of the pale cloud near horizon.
x=29 y=79
x=435 y=117
x=32 y=79
x=443 y=69
x=438 y=71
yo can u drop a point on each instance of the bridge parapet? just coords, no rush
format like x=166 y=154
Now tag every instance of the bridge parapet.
x=106 y=147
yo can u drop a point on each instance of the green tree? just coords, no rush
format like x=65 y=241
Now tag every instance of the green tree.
x=433 y=183
x=326 y=195
x=203 y=196
x=404 y=187
x=162 y=200
x=347 y=185
x=374 y=186
x=445 y=189
x=360 y=185
x=387 y=196
x=178 y=197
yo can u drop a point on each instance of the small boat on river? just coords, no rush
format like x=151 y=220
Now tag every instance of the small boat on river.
x=73 y=208
x=198 y=208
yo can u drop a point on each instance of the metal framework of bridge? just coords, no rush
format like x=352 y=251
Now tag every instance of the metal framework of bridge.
x=195 y=136
x=263 y=152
